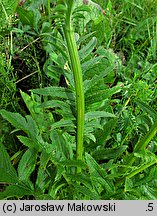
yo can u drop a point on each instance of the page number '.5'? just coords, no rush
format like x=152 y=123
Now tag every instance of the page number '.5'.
x=150 y=207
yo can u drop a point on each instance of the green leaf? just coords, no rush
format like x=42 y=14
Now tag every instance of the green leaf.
x=87 y=192
x=148 y=177
x=78 y=16
x=55 y=92
x=102 y=135
x=73 y=163
x=149 y=192
x=86 y=50
x=28 y=142
x=58 y=47
x=7 y=172
x=7 y=8
x=98 y=94
x=20 y=122
x=82 y=8
x=60 y=143
x=90 y=63
x=43 y=176
x=108 y=153
x=83 y=179
x=147 y=109
x=128 y=184
x=60 y=8
x=98 y=114
x=27 y=164
x=63 y=123
x=142 y=144
x=98 y=173
x=56 y=104
x=26 y=17
x=88 y=84
x=32 y=105
x=15 y=119
x=18 y=191
x=84 y=38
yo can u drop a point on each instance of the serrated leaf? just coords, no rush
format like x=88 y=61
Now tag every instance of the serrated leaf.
x=64 y=108
x=108 y=153
x=15 y=119
x=20 y=122
x=17 y=191
x=73 y=163
x=98 y=173
x=148 y=176
x=89 y=135
x=32 y=105
x=147 y=109
x=27 y=164
x=43 y=179
x=98 y=114
x=149 y=192
x=56 y=187
x=87 y=192
x=90 y=126
x=90 y=63
x=7 y=172
x=63 y=123
x=57 y=104
x=43 y=176
x=28 y=142
x=88 y=84
x=55 y=92
x=147 y=138
x=128 y=184
x=58 y=47
x=96 y=96
x=83 y=179
x=84 y=38
x=102 y=135
x=147 y=120
x=61 y=146
x=86 y=50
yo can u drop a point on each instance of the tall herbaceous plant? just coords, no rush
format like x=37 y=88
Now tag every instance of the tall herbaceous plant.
x=64 y=139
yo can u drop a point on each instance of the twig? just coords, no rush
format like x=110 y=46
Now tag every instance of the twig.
x=26 y=77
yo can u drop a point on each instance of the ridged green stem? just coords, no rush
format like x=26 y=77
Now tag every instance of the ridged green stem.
x=77 y=71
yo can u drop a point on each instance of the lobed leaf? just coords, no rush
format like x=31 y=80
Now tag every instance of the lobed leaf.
x=28 y=142
x=98 y=114
x=108 y=153
x=18 y=191
x=97 y=172
x=86 y=50
x=27 y=164
x=87 y=65
x=15 y=119
x=147 y=109
x=55 y=92
x=87 y=192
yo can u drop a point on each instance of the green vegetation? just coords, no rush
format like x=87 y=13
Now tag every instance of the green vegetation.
x=78 y=99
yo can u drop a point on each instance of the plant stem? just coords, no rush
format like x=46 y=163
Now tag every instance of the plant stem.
x=77 y=71
x=48 y=9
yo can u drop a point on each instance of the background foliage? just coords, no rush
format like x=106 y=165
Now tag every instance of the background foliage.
x=117 y=43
